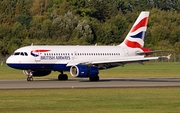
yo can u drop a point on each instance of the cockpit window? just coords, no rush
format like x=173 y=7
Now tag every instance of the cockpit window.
x=20 y=53
x=25 y=54
x=16 y=53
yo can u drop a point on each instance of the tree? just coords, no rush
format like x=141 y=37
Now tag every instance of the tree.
x=20 y=7
x=19 y=31
x=35 y=30
x=83 y=33
x=39 y=7
x=100 y=9
x=63 y=26
x=23 y=19
x=112 y=31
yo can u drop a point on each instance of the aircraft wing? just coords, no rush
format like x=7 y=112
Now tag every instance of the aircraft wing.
x=121 y=61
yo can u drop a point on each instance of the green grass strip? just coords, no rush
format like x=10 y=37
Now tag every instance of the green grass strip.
x=149 y=70
x=129 y=100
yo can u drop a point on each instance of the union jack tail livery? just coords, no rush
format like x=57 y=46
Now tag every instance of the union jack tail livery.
x=135 y=38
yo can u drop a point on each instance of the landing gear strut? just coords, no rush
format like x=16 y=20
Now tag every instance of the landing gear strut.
x=29 y=75
x=62 y=76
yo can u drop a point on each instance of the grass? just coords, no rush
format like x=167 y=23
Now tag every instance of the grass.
x=136 y=100
x=101 y=100
x=149 y=70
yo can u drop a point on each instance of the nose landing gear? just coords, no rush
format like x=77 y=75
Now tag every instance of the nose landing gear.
x=29 y=75
x=29 y=78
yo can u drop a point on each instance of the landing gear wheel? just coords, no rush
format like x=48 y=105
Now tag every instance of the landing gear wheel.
x=95 y=78
x=62 y=77
x=30 y=78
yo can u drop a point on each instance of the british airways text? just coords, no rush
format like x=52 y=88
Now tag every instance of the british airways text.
x=55 y=58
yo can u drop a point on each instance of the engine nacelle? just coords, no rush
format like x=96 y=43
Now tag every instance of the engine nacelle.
x=84 y=71
x=36 y=73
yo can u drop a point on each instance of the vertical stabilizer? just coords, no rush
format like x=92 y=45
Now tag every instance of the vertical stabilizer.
x=135 y=37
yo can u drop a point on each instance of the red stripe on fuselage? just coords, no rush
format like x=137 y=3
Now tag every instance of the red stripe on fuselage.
x=41 y=50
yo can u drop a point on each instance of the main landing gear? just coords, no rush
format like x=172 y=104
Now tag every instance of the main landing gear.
x=62 y=76
x=94 y=78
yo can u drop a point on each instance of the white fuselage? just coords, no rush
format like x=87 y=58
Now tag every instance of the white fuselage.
x=73 y=55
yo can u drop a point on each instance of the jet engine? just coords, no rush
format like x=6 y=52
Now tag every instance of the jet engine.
x=84 y=71
x=36 y=73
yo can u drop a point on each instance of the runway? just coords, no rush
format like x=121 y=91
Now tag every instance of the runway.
x=85 y=83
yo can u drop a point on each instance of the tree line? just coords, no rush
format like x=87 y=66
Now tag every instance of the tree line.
x=86 y=22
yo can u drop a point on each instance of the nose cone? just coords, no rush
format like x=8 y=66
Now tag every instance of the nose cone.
x=8 y=61
x=11 y=62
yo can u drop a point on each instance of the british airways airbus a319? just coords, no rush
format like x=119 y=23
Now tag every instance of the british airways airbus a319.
x=83 y=61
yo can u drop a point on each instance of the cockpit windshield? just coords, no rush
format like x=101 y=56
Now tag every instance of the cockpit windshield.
x=16 y=53
x=20 y=53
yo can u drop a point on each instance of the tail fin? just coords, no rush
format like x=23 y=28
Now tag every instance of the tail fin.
x=135 y=38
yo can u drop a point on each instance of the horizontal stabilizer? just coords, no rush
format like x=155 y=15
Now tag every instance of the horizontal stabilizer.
x=151 y=52
x=168 y=57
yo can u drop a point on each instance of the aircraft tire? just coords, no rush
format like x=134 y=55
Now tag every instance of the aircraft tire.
x=95 y=78
x=62 y=77
x=29 y=78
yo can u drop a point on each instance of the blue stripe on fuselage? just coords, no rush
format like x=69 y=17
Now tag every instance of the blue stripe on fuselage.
x=55 y=67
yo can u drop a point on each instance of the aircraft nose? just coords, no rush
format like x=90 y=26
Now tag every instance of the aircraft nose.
x=13 y=62
x=10 y=62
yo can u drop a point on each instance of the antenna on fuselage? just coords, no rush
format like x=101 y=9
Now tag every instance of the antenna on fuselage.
x=32 y=44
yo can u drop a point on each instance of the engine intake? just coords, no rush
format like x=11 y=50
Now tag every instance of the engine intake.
x=84 y=71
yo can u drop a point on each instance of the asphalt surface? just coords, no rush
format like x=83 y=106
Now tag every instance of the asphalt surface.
x=85 y=83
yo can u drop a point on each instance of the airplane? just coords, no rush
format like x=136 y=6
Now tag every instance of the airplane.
x=83 y=61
